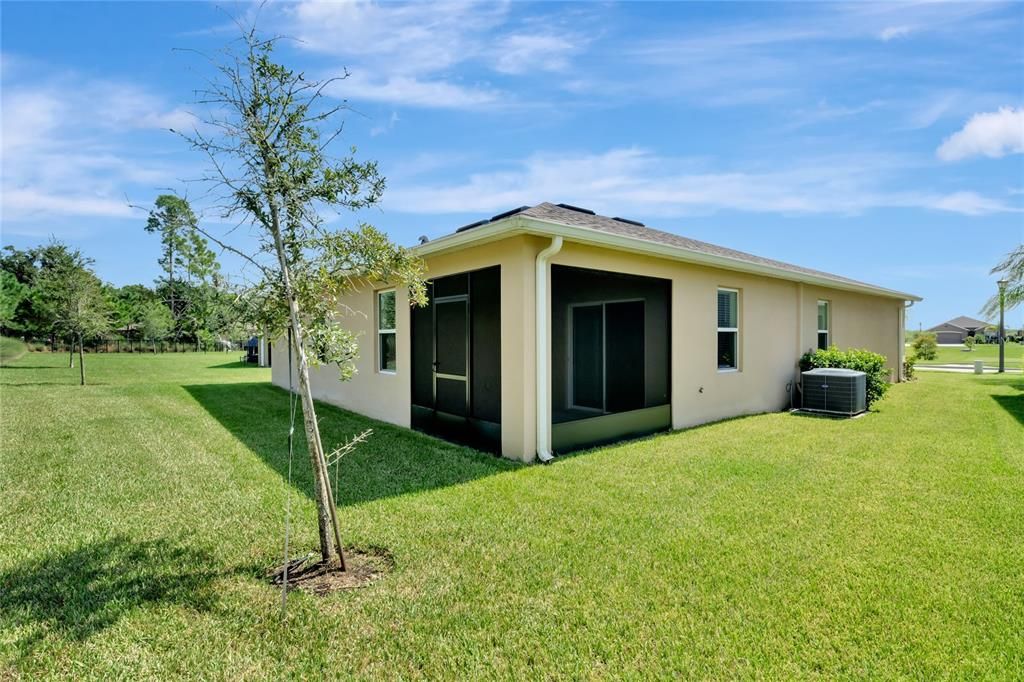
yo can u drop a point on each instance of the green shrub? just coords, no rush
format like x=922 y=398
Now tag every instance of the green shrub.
x=872 y=364
x=925 y=346
x=908 y=367
x=969 y=342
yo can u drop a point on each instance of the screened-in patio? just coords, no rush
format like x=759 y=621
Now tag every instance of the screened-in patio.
x=610 y=364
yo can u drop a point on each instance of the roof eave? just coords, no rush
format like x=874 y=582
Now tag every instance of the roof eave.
x=520 y=224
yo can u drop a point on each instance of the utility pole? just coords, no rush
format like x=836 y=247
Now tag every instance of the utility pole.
x=1002 y=330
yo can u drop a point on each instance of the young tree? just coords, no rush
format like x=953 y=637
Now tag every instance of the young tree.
x=156 y=323
x=1012 y=269
x=925 y=346
x=270 y=160
x=128 y=304
x=173 y=219
x=74 y=297
x=190 y=265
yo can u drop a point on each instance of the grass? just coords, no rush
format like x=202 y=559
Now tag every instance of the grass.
x=140 y=512
x=988 y=352
x=11 y=349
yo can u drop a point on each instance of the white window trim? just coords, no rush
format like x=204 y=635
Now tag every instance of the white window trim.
x=736 y=329
x=828 y=324
x=376 y=323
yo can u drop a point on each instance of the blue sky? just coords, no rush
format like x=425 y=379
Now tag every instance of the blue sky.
x=881 y=142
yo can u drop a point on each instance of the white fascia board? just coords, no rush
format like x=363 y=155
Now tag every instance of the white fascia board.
x=519 y=224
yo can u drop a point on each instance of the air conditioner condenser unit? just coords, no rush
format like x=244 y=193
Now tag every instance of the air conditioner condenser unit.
x=835 y=391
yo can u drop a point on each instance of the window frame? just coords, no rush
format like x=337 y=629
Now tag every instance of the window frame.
x=827 y=331
x=726 y=369
x=381 y=331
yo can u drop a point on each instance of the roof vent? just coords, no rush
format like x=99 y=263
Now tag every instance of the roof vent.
x=424 y=239
x=576 y=208
x=506 y=214
x=472 y=225
x=631 y=222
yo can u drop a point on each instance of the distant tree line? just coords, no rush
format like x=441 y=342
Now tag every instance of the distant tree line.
x=50 y=294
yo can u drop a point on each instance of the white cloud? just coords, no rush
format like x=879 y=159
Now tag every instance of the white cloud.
x=637 y=182
x=969 y=203
x=409 y=38
x=123 y=105
x=400 y=53
x=29 y=203
x=891 y=32
x=66 y=149
x=382 y=128
x=527 y=52
x=405 y=53
x=925 y=114
x=803 y=52
x=825 y=112
x=992 y=134
x=413 y=91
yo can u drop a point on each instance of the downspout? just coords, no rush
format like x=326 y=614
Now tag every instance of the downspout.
x=543 y=401
x=903 y=338
x=799 y=320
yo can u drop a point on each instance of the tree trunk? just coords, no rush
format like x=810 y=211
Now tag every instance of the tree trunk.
x=327 y=517
x=81 y=360
x=71 y=355
x=326 y=513
x=170 y=279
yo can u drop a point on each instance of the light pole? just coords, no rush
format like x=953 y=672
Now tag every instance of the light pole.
x=1002 y=341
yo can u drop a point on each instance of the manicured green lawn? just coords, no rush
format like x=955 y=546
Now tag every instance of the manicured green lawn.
x=988 y=352
x=140 y=511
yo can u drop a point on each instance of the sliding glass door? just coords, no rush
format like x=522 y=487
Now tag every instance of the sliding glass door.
x=588 y=357
x=607 y=356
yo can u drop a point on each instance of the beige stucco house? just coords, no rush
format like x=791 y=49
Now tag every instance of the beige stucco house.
x=551 y=328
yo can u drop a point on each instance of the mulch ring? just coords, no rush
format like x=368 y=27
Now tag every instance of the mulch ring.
x=310 y=574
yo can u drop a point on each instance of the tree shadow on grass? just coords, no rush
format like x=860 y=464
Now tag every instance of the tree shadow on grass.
x=1014 y=404
x=395 y=461
x=235 y=364
x=79 y=592
x=68 y=382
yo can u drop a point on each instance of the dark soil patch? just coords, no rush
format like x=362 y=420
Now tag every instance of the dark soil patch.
x=309 y=574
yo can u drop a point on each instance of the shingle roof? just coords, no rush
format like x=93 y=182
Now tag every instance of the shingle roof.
x=566 y=216
x=575 y=217
x=963 y=322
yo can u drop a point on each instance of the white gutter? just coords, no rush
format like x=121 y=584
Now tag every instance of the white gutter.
x=519 y=224
x=543 y=348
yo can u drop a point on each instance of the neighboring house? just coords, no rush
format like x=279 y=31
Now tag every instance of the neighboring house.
x=958 y=329
x=551 y=328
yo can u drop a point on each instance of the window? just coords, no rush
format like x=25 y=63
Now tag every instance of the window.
x=387 y=348
x=823 y=325
x=728 y=329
